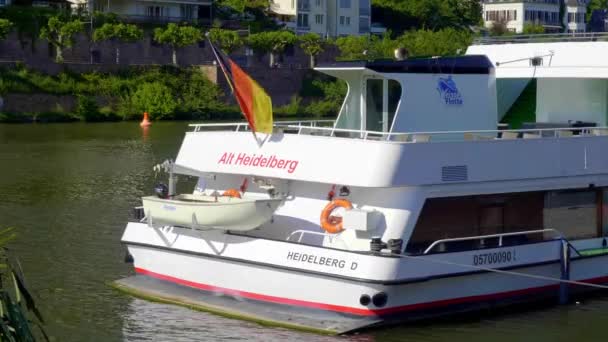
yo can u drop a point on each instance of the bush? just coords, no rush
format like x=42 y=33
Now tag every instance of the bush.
x=87 y=109
x=291 y=109
x=156 y=99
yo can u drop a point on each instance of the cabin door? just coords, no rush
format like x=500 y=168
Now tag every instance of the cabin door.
x=381 y=98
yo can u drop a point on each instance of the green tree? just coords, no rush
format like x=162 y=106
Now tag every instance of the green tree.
x=533 y=29
x=273 y=42
x=242 y=6
x=435 y=43
x=401 y=15
x=499 y=28
x=60 y=33
x=6 y=26
x=177 y=37
x=364 y=47
x=228 y=40
x=312 y=45
x=154 y=98
x=121 y=33
x=595 y=5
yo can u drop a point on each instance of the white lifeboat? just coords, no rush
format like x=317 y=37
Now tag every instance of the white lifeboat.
x=210 y=212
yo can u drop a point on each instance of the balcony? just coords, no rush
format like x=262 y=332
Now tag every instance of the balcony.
x=163 y=20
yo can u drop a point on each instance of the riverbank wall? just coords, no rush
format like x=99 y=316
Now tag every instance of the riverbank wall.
x=284 y=81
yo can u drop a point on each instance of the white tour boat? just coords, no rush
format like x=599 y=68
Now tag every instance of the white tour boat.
x=413 y=203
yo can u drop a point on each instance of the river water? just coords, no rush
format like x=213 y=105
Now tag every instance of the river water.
x=68 y=189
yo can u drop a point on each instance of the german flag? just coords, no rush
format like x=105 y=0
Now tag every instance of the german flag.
x=255 y=103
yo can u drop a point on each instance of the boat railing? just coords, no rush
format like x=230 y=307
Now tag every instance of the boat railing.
x=543 y=38
x=500 y=238
x=326 y=128
x=244 y=126
x=416 y=137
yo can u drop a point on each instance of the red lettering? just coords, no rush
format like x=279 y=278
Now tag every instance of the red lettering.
x=239 y=159
x=273 y=162
x=224 y=159
x=228 y=158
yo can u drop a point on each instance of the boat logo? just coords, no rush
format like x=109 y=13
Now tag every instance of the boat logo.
x=448 y=91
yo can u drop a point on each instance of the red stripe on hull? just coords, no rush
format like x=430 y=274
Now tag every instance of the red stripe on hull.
x=358 y=311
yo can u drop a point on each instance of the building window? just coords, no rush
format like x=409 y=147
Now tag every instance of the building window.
x=344 y=3
x=303 y=20
x=364 y=7
x=364 y=25
x=347 y=21
x=155 y=11
x=319 y=3
x=319 y=19
x=510 y=15
x=293 y=4
x=304 y=5
x=342 y=20
x=187 y=11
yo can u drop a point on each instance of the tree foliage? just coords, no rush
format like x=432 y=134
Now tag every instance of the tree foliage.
x=123 y=33
x=418 y=43
x=242 y=6
x=6 y=26
x=273 y=42
x=228 y=40
x=312 y=45
x=154 y=98
x=126 y=33
x=596 y=5
x=177 y=37
x=533 y=29
x=60 y=33
x=401 y=15
x=499 y=28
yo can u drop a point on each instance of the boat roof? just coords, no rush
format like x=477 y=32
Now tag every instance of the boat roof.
x=469 y=64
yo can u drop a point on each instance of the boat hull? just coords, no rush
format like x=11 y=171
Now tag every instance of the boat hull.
x=330 y=303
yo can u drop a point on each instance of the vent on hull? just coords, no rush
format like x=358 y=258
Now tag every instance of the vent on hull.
x=454 y=173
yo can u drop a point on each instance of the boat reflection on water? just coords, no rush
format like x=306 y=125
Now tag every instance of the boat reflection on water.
x=148 y=321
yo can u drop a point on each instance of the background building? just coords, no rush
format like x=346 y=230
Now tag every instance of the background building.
x=332 y=18
x=151 y=10
x=5 y=2
x=516 y=14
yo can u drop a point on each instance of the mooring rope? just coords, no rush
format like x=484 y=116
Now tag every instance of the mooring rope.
x=513 y=273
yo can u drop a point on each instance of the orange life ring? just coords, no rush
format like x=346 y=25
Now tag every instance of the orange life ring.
x=232 y=193
x=333 y=224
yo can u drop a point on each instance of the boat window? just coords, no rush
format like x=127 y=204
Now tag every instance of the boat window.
x=469 y=216
x=374 y=97
x=573 y=213
x=382 y=98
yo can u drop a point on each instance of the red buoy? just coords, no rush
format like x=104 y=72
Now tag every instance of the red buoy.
x=146 y=121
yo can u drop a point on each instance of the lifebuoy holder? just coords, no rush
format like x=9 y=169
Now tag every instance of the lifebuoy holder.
x=333 y=224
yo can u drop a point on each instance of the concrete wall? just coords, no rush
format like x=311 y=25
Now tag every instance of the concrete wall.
x=39 y=55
